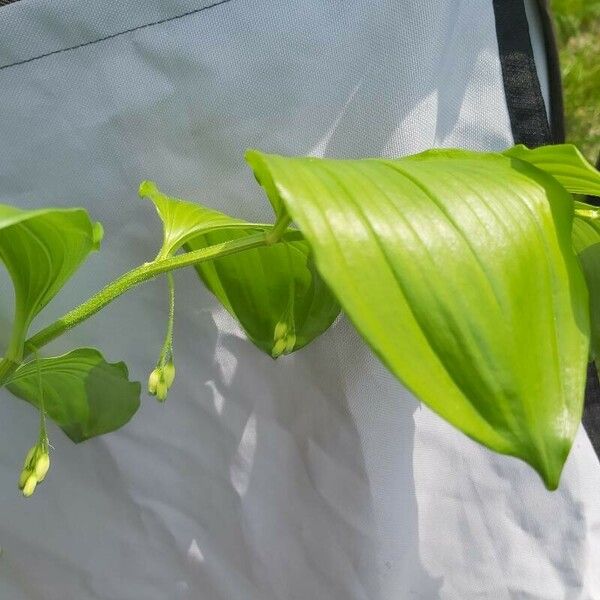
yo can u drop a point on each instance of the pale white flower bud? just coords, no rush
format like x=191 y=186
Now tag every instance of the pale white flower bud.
x=161 y=391
x=30 y=485
x=168 y=373
x=25 y=473
x=153 y=381
x=41 y=466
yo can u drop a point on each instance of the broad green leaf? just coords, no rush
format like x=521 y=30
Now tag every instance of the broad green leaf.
x=586 y=243
x=565 y=163
x=265 y=288
x=457 y=269
x=83 y=394
x=41 y=250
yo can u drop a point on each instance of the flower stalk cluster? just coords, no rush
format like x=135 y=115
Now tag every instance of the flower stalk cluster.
x=35 y=468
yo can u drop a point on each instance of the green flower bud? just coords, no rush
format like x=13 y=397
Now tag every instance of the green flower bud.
x=30 y=485
x=168 y=373
x=278 y=348
x=29 y=459
x=153 y=381
x=41 y=466
x=161 y=391
x=25 y=473
x=281 y=330
x=290 y=342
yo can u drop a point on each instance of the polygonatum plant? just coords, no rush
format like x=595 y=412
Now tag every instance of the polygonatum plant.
x=474 y=277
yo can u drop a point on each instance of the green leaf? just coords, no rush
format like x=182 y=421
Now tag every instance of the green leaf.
x=262 y=287
x=457 y=269
x=266 y=286
x=83 y=394
x=565 y=163
x=41 y=250
x=586 y=243
x=184 y=220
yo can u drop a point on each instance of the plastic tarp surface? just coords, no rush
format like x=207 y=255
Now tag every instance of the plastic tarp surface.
x=315 y=477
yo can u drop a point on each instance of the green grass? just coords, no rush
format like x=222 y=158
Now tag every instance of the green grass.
x=578 y=27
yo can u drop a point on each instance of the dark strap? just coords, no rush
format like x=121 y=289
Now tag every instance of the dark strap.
x=526 y=109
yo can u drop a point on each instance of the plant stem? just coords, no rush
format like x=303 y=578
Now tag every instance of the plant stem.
x=135 y=277
x=167 y=347
x=131 y=279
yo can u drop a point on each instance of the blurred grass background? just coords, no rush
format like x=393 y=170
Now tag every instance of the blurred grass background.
x=578 y=30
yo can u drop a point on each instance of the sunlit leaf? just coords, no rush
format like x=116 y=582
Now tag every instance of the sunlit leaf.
x=269 y=289
x=565 y=163
x=457 y=269
x=41 y=250
x=586 y=243
x=83 y=394
x=183 y=220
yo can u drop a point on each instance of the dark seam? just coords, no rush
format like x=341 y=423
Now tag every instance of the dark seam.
x=114 y=35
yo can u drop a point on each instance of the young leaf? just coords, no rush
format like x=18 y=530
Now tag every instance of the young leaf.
x=270 y=290
x=83 y=394
x=183 y=220
x=586 y=243
x=457 y=269
x=565 y=163
x=41 y=250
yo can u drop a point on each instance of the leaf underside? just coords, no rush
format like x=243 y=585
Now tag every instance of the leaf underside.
x=457 y=269
x=41 y=249
x=83 y=394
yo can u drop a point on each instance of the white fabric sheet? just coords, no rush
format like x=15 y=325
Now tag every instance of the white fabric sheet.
x=315 y=477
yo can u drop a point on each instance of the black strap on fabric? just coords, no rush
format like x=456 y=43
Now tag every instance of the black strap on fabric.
x=529 y=121
x=526 y=109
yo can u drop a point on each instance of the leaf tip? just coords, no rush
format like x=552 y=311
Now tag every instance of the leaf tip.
x=147 y=189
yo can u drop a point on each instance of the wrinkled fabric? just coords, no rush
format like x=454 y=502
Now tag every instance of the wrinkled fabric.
x=316 y=476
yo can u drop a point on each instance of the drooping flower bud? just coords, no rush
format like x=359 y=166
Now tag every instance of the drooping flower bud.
x=168 y=372
x=161 y=391
x=25 y=473
x=290 y=342
x=41 y=466
x=278 y=348
x=281 y=330
x=30 y=458
x=153 y=381
x=30 y=485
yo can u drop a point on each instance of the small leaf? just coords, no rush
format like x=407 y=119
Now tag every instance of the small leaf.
x=586 y=243
x=457 y=269
x=565 y=163
x=83 y=394
x=41 y=250
x=183 y=220
x=262 y=287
